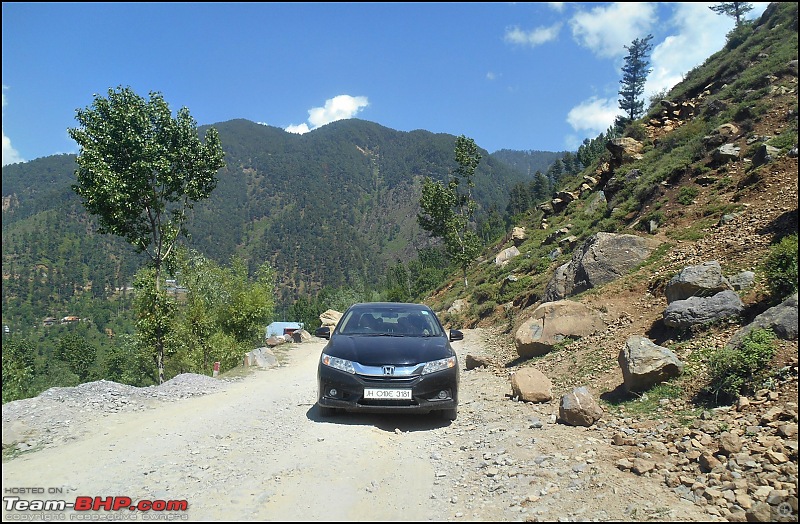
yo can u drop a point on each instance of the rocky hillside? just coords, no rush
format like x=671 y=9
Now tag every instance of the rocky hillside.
x=707 y=179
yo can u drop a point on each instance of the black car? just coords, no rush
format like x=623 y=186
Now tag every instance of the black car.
x=388 y=357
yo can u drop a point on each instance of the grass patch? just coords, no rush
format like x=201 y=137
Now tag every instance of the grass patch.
x=645 y=403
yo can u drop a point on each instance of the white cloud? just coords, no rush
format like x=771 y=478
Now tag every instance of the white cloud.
x=593 y=116
x=491 y=76
x=607 y=29
x=337 y=108
x=538 y=36
x=10 y=155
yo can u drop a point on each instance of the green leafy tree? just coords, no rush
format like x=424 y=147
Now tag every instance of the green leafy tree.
x=77 y=353
x=447 y=210
x=139 y=171
x=634 y=75
x=735 y=10
x=18 y=369
x=155 y=313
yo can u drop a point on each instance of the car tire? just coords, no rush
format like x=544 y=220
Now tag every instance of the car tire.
x=449 y=414
x=326 y=412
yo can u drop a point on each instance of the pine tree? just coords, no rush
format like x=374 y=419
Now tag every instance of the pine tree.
x=735 y=10
x=634 y=75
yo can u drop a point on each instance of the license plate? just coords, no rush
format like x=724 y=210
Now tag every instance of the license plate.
x=387 y=394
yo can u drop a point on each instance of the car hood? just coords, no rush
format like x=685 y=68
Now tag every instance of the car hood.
x=388 y=350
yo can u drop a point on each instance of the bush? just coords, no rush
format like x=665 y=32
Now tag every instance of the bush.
x=483 y=293
x=687 y=194
x=739 y=371
x=780 y=267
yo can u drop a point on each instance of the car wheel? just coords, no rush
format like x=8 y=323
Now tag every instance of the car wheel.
x=449 y=414
x=326 y=412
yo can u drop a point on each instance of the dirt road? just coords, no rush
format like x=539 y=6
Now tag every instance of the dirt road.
x=257 y=450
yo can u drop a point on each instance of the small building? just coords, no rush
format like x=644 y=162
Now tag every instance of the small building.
x=277 y=329
x=70 y=319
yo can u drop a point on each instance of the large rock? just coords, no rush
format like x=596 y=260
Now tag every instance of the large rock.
x=261 y=357
x=518 y=235
x=701 y=280
x=602 y=258
x=645 y=364
x=625 y=149
x=780 y=319
x=531 y=385
x=505 y=255
x=701 y=310
x=551 y=323
x=579 y=408
x=330 y=318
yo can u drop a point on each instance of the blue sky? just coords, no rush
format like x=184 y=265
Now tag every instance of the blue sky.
x=540 y=76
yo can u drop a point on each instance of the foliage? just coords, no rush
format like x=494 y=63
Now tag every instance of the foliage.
x=686 y=195
x=736 y=371
x=223 y=315
x=780 y=267
x=18 y=358
x=634 y=75
x=77 y=353
x=591 y=150
x=447 y=211
x=139 y=171
x=154 y=317
x=736 y=10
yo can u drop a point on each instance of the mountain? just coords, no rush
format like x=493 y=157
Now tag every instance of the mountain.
x=333 y=207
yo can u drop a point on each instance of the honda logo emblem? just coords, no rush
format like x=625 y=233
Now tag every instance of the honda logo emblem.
x=388 y=370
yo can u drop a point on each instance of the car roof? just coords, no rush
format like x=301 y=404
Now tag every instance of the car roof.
x=401 y=306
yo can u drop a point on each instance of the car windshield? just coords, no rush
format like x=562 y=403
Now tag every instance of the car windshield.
x=389 y=321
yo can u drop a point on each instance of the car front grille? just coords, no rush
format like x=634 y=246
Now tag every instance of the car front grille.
x=388 y=380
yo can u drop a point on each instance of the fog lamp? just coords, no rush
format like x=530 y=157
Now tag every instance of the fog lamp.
x=333 y=392
x=443 y=395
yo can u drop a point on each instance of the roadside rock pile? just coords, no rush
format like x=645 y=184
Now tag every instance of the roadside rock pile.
x=58 y=414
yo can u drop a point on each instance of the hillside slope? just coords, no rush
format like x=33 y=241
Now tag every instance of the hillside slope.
x=679 y=193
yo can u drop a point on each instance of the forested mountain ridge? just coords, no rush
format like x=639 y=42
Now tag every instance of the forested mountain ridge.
x=332 y=207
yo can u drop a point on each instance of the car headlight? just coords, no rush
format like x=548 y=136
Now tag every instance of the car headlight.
x=439 y=365
x=338 y=363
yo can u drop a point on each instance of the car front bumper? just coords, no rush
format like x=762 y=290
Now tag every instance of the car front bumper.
x=425 y=391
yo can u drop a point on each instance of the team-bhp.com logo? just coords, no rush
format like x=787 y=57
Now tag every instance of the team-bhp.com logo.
x=82 y=507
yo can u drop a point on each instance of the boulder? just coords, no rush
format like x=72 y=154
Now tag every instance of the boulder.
x=645 y=364
x=579 y=408
x=701 y=310
x=602 y=258
x=552 y=323
x=531 y=385
x=701 y=280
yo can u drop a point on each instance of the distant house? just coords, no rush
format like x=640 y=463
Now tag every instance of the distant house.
x=70 y=320
x=283 y=328
x=49 y=321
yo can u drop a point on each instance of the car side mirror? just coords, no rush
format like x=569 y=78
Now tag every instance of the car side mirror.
x=456 y=335
x=323 y=332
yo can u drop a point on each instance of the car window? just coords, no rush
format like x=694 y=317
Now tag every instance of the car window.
x=390 y=321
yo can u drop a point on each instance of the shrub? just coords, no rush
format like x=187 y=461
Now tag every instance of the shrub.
x=485 y=309
x=687 y=194
x=740 y=371
x=780 y=267
x=483 y=292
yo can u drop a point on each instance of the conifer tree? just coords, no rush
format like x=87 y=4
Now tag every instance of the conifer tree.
x=735 y=10
x=634 y=75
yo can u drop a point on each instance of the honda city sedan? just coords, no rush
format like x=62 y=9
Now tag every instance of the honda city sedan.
x=385 y=357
